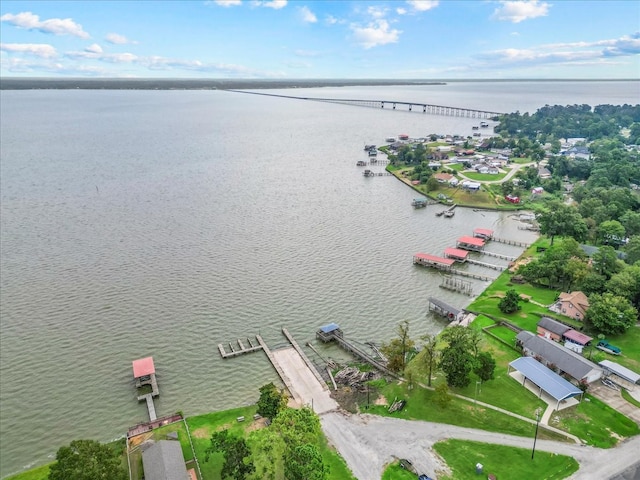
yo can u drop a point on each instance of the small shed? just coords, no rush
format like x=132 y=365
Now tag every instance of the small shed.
x=552 y=329
x=577 y=337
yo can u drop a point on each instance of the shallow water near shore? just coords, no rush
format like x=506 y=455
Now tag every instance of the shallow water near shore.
x=140 y=223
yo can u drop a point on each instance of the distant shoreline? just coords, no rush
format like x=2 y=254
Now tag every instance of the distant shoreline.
x=40 y=83
x=188 y=84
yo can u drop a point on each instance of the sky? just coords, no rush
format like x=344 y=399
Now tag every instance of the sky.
x=297 y=39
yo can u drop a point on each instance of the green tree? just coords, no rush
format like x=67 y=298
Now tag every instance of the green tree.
x=632 y=249
x=430 y=354
x=396 y=350
x=457 y=359
x=442 y=396
x=561 y=220
x=237 y=455
x=432 y=184
x=510 y=303
x=87 y=460
x=605 y=261
x=610 y=314
x=304 y=462
x=611 y=232
x=271 y=401
x=297 y=426
x=626 y=284
x=485 y=366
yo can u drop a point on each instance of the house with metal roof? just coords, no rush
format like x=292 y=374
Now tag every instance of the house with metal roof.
x=545 y=379
x=613 y=368
x=552 y=329
x=558 y=358
x=164 y=461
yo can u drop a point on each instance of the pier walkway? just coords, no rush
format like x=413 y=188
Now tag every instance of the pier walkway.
x=391 y=105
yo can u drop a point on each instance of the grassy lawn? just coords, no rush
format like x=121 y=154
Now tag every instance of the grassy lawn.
x=38 y=473
x=629 y=342
x=421 y=405
x=484 y=177
x=629 y=398
x=396 y=472
x=596 y=423
x=504 y=462
x=504 y=333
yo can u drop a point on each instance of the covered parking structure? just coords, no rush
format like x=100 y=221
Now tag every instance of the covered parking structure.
x=620 y=371
x=545 y=379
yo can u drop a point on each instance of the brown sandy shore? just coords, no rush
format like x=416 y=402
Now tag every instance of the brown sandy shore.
x=15 y=83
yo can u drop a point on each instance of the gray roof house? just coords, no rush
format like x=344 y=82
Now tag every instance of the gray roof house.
x=550 y=328
x=164 y=461
x=558 y=357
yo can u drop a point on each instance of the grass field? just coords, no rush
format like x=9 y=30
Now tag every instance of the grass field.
x=484 y=177
x=38 y=473
x=504 y=462
x=396 y=472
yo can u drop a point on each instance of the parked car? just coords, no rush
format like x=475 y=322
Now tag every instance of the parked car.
x=604 y=345
x=424 y=477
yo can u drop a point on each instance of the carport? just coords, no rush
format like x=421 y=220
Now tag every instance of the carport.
x=620 y=371
x=545 y=379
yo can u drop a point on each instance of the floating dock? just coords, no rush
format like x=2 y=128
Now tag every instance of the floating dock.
x=240 y=348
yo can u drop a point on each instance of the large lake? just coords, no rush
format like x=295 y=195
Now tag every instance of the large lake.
x=162 y=223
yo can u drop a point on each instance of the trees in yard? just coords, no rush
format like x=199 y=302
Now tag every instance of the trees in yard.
x=271 y=401
x=430 y=354
x=485 y=366
x=632 y=249
x=304 y=462
x=610 y=314
x=237 y=455
x=458 y=358
x=510 y=303
x=396 y=350
x=87 y=460
x=562 y=220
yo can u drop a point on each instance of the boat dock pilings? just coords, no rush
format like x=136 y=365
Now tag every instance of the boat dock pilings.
x=511 y=242
x=240 y=348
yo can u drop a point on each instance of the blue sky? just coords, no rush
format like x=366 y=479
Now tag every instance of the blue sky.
x=420 y=39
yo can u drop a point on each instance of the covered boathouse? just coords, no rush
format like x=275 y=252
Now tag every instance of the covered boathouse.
x=483 y=233
x=470 y=243
x=328 y=332
x=456 y=253
x=433 y=261
x=444 y=309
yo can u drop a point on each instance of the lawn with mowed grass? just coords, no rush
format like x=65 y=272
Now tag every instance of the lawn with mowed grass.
x=595 y=422
x=504 y=462
x=396 y=472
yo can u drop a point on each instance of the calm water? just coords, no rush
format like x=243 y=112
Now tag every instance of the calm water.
x=162 y=223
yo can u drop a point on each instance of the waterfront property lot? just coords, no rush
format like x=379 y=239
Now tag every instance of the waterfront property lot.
x=38 y=473
x=485 y=177
x=503 y=462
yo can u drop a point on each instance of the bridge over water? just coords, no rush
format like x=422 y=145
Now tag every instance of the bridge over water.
x=391 y=105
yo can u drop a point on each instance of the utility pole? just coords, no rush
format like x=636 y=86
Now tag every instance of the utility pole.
x=536 y=434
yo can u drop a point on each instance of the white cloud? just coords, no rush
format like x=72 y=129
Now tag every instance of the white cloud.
x=117 y=39
x=56 y=26
x=227 y=3
x=377 y=12
x=307 y=15
x=401 y=11
x=377 y=33
x=95 y=48
x=518 y=11
x=275 y=4
x=423 y=5
x=38 y=49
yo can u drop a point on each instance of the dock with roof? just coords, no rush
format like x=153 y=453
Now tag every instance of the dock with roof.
x=433 y=261
x=473 y=244
x=144 y=373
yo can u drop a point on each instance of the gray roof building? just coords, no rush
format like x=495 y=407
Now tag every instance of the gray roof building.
x=560 y=357
x=553 y=325
x=164 y=461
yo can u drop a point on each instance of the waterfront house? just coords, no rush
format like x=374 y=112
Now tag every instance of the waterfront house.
x=558 y=358
x=574 y=305
x=163 y=460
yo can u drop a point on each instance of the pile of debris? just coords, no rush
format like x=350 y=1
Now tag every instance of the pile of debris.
x=354 y=378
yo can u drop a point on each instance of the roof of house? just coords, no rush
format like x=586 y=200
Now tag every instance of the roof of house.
x=547 y=379
x=143 y=367
x=577 y=337
x=445 y=177
x=164 y=461
x=577 y=299
x=570 y=362
x=620 y=371
x=553 y=326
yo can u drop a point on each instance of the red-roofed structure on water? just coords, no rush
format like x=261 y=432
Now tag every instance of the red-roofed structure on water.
x=483 y=233
x=470 y=243
x=143 y=367
x=433 y=261
x=456 y=253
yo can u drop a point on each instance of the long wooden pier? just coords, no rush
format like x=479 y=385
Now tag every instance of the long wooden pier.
x=511 y=242
x=477 y=276
x=487 y=265
x=240 y=349
x=511 y=258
